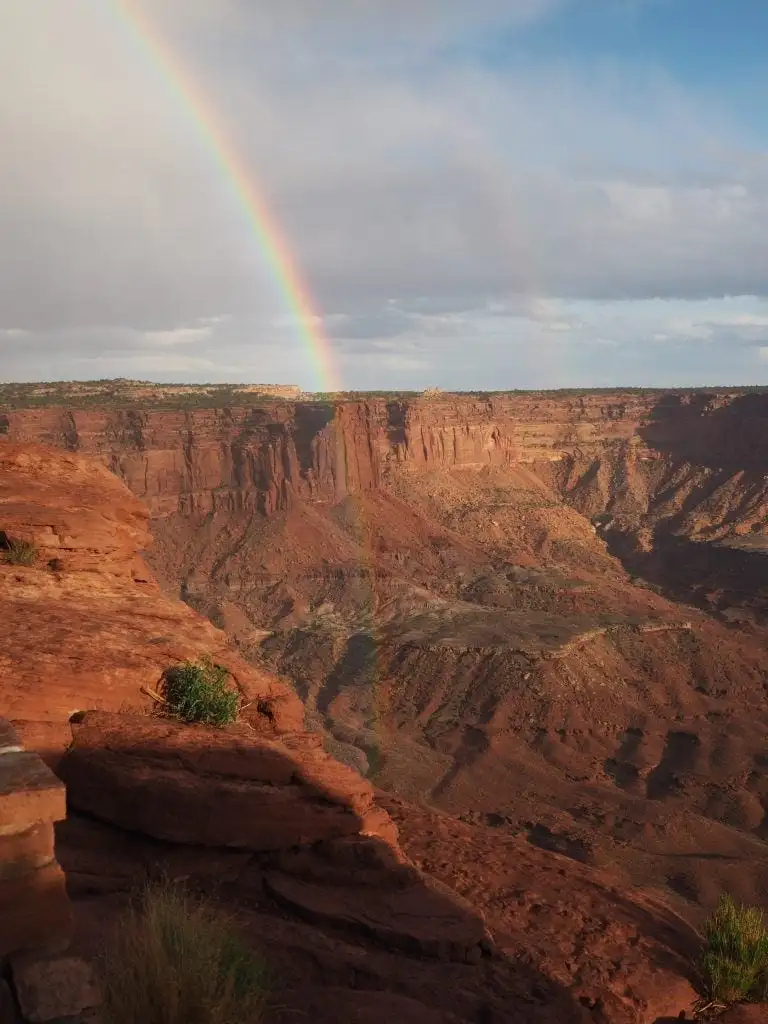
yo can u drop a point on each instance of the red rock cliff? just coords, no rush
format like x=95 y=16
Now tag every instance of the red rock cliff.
x=261 y=456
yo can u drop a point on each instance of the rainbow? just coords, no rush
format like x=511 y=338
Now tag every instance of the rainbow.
x=271 y=242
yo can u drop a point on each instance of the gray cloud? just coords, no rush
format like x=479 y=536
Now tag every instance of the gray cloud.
x=423 y=204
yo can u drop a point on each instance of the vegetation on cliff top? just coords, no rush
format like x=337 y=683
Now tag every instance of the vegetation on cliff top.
x=735 y=959
x=176 y=960
x=200 y=693
x=17 y=552
x=130 y=394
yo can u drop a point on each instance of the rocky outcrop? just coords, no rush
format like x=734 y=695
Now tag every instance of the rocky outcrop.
x=34 y=908
x=39 y=981
x=87 y=626
x=221 y=789
x=334 y=854
x=565 y=943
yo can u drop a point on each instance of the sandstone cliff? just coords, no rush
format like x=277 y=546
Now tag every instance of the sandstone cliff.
x=634 y=454
x=262 y=456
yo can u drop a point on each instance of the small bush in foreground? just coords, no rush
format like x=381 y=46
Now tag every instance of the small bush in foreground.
x=200 y=692
x=175 y=960
x=735 y=958
x=18 y=552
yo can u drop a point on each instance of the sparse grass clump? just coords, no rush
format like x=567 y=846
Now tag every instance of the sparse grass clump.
x=175 y=960
x=17 y=552
x=735 y=959
x=201 y=693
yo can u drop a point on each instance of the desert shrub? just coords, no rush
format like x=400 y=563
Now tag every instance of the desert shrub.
x=17 y=552
x=176 y=960
x=200 y=692
x=735 y=959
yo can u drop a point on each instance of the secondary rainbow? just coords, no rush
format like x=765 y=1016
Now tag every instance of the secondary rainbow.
x=244 y=188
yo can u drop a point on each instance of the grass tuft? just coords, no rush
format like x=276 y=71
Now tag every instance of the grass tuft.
x=175 y=960
x=735 y=959
x=18 y=552
x=200 y=692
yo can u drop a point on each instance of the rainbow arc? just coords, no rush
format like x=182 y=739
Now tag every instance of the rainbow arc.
x=263 y=225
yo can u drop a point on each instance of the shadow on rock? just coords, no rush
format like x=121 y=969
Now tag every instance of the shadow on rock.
x=295 y=846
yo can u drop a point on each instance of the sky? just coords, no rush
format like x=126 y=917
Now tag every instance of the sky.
x=486 y=195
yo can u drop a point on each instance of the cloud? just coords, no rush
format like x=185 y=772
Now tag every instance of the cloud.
x=179 y=336
x=291 y=23
x=444 y=212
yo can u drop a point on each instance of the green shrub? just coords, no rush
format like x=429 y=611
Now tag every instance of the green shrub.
x=199 y=692
x=735 y=959
x=175 y=960
x=18 y=552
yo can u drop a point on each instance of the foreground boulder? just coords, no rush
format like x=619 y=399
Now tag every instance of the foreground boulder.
x=331 y=853
x=233 y=788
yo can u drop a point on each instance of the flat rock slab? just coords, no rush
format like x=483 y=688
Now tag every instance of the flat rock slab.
x=212 y=788
x=424 y=918
x=29 y=792
x=223 y=753
x=51 y=988
x=180 y=806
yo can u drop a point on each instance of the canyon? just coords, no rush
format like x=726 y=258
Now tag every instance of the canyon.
x=367 y=908
x=536 y=622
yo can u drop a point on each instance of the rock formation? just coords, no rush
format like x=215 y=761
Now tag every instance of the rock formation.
x=477 y=599
x=89 y=586
x=39 y=981
x=34 y=908
x=442 y=924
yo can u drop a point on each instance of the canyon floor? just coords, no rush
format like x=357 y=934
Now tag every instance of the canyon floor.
x=536 y=623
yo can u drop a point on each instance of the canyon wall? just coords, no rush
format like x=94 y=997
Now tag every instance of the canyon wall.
x=262 y=456
x=690 y=460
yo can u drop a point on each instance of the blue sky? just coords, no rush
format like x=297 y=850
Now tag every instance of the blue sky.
x=504 y=193
x=705 y=43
